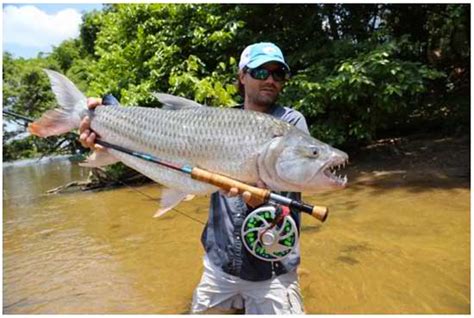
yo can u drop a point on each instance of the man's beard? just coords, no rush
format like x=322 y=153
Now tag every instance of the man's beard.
x=263 y=99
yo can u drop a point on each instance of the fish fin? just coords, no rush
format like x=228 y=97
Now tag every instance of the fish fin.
x=53 y=122
x=169 y=199
x=189 y=197
x=171 y=102
x=99 y=159
x=110 y=100
x=72 y=107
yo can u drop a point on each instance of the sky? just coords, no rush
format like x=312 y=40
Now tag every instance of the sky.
x=30 y=28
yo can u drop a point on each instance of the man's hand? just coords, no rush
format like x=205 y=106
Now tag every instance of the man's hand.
x=87 y=136
x=247 y=196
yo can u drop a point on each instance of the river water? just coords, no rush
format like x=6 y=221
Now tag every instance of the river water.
x=390 y=245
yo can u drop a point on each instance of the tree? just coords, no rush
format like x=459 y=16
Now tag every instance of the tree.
x=360 y=71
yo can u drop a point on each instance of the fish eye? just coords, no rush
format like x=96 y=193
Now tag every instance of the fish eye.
x=313 y=150
x=307 y=151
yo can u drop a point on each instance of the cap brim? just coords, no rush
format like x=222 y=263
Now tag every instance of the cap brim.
x=263 y=60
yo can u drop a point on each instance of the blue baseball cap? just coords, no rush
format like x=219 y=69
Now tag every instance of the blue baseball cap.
x=257 y=54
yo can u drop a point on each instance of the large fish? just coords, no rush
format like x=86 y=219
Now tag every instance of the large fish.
x=244 y=145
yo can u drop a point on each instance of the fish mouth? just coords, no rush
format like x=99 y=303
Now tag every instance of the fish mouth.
x=331 y=170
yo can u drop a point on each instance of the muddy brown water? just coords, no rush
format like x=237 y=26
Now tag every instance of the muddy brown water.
x=391 y=245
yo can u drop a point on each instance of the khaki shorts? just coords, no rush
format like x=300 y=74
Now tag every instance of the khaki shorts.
x=219 y=292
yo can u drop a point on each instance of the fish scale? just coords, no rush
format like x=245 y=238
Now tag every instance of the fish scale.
x=189 y=136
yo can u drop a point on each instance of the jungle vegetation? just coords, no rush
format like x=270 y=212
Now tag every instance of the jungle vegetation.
x=359 y=71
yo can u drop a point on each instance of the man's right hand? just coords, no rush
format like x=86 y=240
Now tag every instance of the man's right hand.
x=247 y=196
x=87 y=136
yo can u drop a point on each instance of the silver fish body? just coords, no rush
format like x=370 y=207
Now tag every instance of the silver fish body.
x=221 y=140
x=243 y=145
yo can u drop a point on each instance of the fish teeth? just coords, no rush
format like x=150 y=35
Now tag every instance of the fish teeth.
x=334 y=168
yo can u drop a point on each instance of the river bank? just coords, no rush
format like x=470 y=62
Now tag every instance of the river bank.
x=419 y=159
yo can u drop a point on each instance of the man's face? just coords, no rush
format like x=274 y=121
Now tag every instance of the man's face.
x=262 y=92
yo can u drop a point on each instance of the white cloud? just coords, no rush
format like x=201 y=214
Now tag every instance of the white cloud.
x=28 y=26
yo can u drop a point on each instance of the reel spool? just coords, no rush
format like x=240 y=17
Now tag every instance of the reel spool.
x=266 y=240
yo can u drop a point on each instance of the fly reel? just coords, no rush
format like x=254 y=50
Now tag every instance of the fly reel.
x=269 y=233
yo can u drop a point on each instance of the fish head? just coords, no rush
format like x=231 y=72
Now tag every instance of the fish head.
x=298 y=162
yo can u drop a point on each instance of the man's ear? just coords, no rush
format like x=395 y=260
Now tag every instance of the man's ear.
x=241 y=77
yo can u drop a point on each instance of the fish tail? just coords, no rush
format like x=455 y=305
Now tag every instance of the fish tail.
x=72 y=108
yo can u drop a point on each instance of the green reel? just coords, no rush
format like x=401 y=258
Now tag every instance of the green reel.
x=269 y=236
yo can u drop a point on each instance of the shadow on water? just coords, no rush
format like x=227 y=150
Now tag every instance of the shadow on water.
x=418 y=165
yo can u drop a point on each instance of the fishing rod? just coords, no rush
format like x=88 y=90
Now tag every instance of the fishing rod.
x=223 y=182
x=7 y=112
x=226 y=183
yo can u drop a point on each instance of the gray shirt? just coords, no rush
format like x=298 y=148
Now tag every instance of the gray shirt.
x=221 y=237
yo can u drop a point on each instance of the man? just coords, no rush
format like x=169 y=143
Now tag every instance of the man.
x=233 y=278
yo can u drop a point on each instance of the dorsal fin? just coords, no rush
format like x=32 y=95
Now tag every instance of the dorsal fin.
x=110 y=100
x=171 y=102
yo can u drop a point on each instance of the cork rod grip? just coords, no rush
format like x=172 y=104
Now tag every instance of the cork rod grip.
x=263 y=195
x=320 y=213
x=227 y=183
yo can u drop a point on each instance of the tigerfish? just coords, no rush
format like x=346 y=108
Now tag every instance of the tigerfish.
x=244 y=145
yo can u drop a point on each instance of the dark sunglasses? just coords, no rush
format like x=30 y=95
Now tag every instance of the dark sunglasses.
x=262 y=74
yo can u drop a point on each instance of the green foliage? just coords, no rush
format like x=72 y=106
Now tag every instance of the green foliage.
x=119 y=171
x=25 y=86
x=19 y=149
x=66 y=54
x=371 y=91
x=360 y=70
x=90 y=27
x=26 y=91
x=168 y=48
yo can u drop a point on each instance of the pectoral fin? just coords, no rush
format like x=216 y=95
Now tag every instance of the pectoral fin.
x=171 y=198
x=99 y=159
